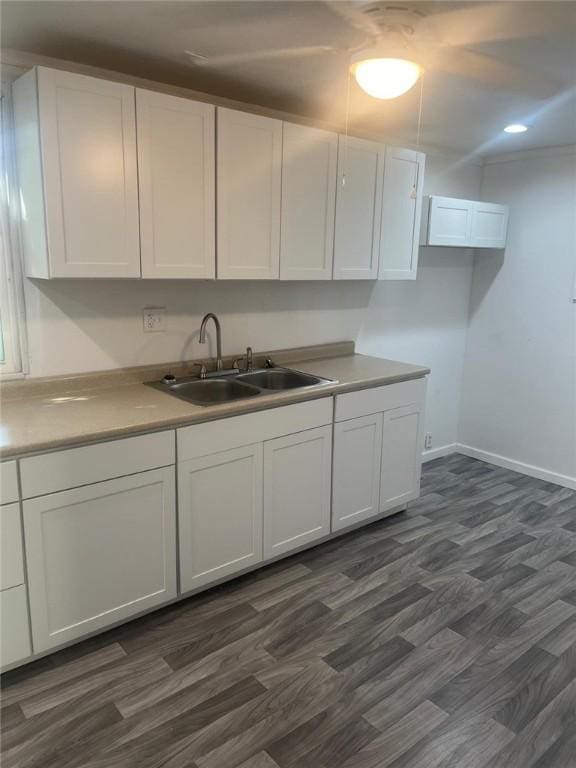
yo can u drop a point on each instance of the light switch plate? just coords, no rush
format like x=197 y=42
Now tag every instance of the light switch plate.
x=153 y=319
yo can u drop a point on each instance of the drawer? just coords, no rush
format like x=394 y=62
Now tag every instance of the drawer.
x=237 y=431
x=366 y=401
x=8 y=482
x=15 y=632
x=74 y=467
x=12 y=566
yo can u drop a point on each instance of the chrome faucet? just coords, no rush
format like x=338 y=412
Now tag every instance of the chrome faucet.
x=202 y=339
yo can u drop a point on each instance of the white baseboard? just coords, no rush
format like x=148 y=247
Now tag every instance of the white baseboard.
x=516 y=466
x=437 y=453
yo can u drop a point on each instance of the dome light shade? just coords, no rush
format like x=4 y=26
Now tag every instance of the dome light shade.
x=386 y=78
x=516 y=128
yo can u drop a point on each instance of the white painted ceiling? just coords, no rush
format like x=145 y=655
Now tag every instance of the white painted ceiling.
x=148 y=39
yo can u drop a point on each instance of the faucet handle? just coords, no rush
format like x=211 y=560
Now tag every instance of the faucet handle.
x=203 y=370
x=249 y=360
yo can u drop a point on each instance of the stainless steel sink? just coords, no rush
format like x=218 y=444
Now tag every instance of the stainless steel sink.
x=208 y=391
x=237 y=385
x=280 y=378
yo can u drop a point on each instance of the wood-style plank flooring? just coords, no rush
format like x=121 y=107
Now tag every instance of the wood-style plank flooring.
x=445 y=636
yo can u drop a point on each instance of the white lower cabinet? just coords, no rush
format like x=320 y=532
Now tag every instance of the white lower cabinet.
x=297 y=474
x=401 y=456
x=14 y=629
x=99 y=554
x=377 y=451
x=357 y=467
x=220 y=514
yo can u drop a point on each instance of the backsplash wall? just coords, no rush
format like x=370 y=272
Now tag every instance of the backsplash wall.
x=81 y=325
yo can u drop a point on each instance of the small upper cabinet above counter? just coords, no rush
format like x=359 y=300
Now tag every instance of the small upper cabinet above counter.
x=176 y=156
x=449 y=221
x=76 y=157
x=249 y=178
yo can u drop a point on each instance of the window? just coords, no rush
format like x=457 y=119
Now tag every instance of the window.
x=12 y=361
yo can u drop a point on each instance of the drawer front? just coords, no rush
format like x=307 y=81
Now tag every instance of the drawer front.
x=214 y=436
x=74 y=467
x=352 y=405
x=8 y=482
x=11 y=567
x=15 y=633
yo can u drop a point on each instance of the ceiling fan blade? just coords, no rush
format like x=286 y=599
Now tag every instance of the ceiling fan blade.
x=354 y=17
x=268 y=55
x=489 y=22
x=486 y=69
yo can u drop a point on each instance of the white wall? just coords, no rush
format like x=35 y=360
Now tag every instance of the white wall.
x=519 y=389
x=76 y=326
x=425 y=321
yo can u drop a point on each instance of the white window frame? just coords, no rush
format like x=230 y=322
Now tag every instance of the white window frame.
x=12 y=310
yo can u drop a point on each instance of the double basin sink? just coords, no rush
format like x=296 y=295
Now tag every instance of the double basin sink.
x=227 y=387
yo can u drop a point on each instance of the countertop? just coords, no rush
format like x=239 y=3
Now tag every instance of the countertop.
x=62 y=413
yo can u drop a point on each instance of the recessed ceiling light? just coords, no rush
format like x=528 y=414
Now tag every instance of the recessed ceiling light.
x=516 y=128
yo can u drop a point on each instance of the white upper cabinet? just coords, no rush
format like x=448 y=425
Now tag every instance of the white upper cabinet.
x=401 y=211
x=309 y=159
x=176 y=167
x=449 y=221
x=358 y=209
x=76 y=156
x=489 y=225
x=249 y=175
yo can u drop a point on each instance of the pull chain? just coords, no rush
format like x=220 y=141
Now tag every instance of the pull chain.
x=414 y=194
x=347 y=122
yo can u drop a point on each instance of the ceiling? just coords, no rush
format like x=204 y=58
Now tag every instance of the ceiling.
x=148 y=39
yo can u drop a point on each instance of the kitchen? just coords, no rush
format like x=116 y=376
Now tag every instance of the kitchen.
x=318 y=516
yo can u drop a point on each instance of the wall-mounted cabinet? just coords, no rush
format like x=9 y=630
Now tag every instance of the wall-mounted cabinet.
x=401 y=211
x=76 y=155
x=176 y=174
x=449 y=221
x=123 y=182
x=358 y=209
x=309 y=161
x=249 y=178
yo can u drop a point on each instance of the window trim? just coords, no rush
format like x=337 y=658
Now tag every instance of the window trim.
x=11 y=274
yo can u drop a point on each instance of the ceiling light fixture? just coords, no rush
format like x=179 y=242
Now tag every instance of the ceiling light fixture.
x=516 y=128
x=384 y=77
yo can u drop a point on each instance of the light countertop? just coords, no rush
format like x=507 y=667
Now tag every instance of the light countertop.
x=60 y=413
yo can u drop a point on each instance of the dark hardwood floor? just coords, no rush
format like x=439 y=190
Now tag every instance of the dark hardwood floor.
x=445 y=636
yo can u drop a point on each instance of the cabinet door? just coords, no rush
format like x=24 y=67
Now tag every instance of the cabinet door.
x=249 y=170
x=450 y=221
x=401 y=456
x=88 y=136
x=358 y=209
x=11 y=566
x=489 y=225
x=401 y=211
x=297 y=470
x=99 y=554
x=356 y=470
x=220 y=515
x=14 y=626
x=176 y=167
x=309 y=158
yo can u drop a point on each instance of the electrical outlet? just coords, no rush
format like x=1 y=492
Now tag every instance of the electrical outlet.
x=153 y=319
x=428 y=441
